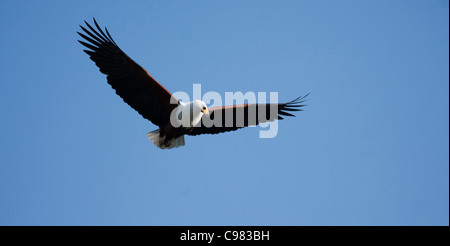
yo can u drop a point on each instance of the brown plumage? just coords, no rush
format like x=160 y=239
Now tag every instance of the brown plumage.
x=248 y=116
x=150 y=99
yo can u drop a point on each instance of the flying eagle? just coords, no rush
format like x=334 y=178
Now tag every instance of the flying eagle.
x=155 y=103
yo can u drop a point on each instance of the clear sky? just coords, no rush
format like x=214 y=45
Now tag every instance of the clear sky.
x=371 y=147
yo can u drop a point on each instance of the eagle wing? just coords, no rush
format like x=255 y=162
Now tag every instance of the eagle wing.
x=235 y=117
x=130 y=81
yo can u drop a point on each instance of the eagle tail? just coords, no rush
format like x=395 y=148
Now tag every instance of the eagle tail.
x=161 y=142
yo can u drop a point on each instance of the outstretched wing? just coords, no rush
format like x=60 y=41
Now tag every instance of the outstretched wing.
x=131 y=82
x=230 y=118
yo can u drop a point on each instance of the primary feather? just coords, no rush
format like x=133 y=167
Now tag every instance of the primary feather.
x=155 y=103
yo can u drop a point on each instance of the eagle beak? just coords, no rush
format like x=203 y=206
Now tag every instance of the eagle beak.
x=205 y=111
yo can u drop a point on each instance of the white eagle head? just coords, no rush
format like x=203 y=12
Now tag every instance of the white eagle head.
x=199 y=107
x=190 y=114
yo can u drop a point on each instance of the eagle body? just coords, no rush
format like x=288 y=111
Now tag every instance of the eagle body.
x=151 y=100
x=187 y=116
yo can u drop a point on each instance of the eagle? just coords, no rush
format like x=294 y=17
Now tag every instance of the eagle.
x=151 y=100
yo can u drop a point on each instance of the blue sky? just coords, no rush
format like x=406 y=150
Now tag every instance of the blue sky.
x=371 y=147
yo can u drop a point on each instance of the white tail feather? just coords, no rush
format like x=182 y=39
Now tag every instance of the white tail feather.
x=159 y=141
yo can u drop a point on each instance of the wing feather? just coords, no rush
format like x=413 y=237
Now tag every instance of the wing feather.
x=130 y=81
x=249 y=117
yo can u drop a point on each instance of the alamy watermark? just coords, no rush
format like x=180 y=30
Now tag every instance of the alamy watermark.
x=257 y=110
